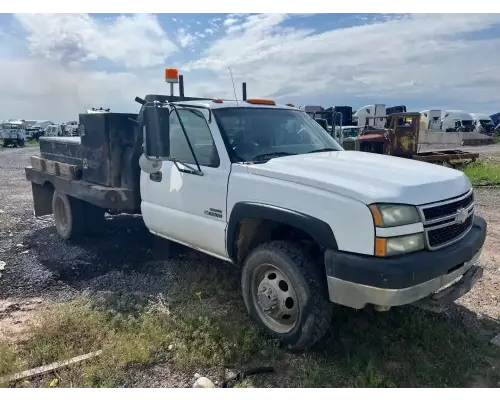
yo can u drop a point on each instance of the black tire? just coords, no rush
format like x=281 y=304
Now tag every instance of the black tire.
x=308 y=281
x=94 y=219
x=69 y=215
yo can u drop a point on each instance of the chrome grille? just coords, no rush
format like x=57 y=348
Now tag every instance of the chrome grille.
x=448 y=221
x=448 y=208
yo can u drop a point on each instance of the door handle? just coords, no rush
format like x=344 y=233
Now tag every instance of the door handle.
x=155 y=176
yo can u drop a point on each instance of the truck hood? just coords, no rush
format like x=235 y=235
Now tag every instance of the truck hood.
x=368 y=177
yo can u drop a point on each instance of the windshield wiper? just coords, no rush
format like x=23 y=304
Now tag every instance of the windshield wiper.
x=323 y=150
x=268 y=156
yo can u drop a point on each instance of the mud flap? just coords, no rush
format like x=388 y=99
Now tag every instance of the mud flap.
x=438 y=301
x=42 y=199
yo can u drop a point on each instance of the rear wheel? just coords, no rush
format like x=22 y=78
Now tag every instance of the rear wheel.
x=285 y=292
x=69 y=215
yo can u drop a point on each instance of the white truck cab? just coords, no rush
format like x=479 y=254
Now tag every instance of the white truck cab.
x=265 y=188
x=430 y=120
x=372 y=115
x=13 y=133
x=456 y=121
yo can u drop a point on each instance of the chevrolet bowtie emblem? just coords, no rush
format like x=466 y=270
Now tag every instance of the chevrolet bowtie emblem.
x=461 y=216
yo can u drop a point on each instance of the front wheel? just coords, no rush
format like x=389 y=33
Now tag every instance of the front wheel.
x=285 y=292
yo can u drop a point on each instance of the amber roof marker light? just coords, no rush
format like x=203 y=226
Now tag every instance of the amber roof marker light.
x=171 y=77
x=261 y=101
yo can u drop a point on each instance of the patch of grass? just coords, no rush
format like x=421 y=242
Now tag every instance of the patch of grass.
x=32 y=142
x=8 y=360
x=199 y=328
x=483 y=172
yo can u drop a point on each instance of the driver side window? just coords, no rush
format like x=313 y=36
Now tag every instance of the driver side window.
x=199 y=135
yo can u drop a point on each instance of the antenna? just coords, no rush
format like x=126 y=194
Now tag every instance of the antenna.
x=234 y=89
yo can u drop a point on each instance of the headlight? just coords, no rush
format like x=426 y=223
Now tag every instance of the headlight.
x=388 y=215
x=391 y=246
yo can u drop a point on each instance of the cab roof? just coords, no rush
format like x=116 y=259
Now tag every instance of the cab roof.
x=213 y=103
x=232 y=104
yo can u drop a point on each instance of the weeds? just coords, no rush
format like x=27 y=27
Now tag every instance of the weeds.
x=193 y=333
x=8 y=360
x=484 y=172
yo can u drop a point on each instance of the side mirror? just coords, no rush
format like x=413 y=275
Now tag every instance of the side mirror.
x=156 y=130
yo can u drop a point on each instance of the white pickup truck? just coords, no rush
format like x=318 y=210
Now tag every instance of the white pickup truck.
x=267 y=189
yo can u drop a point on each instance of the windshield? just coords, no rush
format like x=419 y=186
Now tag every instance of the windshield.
x=485 y=122
x=11 y=126
x=253 y=132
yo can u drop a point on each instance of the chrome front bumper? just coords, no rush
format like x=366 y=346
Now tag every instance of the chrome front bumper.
x=433 y=294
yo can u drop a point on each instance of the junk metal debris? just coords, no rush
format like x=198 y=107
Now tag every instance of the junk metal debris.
x=47 y=368
x=496 y=340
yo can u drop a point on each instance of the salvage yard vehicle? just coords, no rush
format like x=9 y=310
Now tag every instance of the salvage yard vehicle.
x=70 y=128
x=13 y=133
x=38 y=129
x=456 y=121
x=375 y=114
x=265 y=188
x=348 y=136
x=483 y=124
x=53 y=131
x=28 y=123
x=400 y=137
x=431 y=120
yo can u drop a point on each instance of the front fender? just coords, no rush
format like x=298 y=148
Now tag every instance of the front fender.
x=319 y=230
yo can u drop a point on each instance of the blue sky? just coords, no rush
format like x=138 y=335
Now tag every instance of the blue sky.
x=55 y=65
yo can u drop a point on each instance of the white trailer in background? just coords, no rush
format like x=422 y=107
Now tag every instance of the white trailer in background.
x=430 y=120
x=372 y=115
x=456 y=121
x=483 y=123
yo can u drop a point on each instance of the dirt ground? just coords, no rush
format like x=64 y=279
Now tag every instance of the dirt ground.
x=40 y=268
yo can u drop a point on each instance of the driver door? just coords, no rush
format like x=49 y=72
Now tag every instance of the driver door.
x=187 y=208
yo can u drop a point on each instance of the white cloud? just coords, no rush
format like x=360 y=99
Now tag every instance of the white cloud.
x=215 y=23
x=230 y=21
x=428 y=59
x=46 y=89
x=185 y=39
x=135 y=41
x=407 y=57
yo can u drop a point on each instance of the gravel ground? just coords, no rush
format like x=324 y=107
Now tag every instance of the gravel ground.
x=485 y=298
x=129 y=262
x=125 y=262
